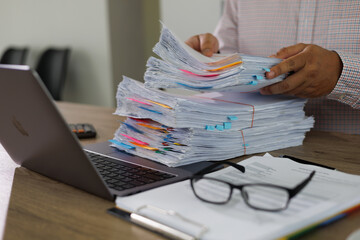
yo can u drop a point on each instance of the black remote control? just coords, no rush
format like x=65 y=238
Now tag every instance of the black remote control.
x=83 y=130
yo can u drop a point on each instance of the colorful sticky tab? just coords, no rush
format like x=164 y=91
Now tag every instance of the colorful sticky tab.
x=144 y=146
x=209 y=128
x=132 y=127
x=232 y=118
x=188 y=86
x=245 y=145
x=226 y=66
x=134 y=139
x=258 y=77
x=150 y=110
x=199 y=75
x=252 y=83
x=138 y=101
x=266 y=69
x=122 y=144
x=160 y=104
x=179 y=144
x=227 y=125
x=219 y=127
x=149 y=126
x=161 y=152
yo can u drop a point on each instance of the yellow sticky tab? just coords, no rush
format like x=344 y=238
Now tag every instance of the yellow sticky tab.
x=149 y=126
x=226 y=66
x=144 y=146
x=160 y=104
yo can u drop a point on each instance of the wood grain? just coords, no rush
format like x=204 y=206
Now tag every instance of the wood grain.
x=41 y=208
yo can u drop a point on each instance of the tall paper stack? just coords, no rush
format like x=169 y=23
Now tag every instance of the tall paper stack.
x=177 y=130
x=230 y=120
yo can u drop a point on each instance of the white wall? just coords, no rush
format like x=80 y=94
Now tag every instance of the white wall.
x=190 y=17
x=81 y=25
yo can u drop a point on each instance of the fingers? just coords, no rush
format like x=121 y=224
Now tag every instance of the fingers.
x=290 y=85
x=292 y=64
x=206 y=43
x=290 y=51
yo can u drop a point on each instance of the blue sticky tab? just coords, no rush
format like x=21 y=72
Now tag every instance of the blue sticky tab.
x=232 y=118
x=266 y=69
x=219 y=127
x=188 y=86
x=132 y=128
x=227 y=125
x=258 y=77
x=209 y=128
x=150 y=110
x=122 y=144
x=253 y=83
x=245 y=145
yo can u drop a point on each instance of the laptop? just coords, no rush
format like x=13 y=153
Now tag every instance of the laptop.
x=36 y=136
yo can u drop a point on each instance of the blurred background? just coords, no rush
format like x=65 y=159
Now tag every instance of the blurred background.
x=105 y=38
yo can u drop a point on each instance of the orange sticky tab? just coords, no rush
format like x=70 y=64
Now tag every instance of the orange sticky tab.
x=149 y=126
x=226 y=66
x=144 y=146
x=160 y=104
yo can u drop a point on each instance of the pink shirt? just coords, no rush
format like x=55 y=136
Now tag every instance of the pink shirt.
x=262 y=27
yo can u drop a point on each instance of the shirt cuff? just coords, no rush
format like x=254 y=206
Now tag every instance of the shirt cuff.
x=347 y=89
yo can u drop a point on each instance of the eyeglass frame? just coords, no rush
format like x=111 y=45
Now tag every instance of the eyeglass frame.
x=292 y=192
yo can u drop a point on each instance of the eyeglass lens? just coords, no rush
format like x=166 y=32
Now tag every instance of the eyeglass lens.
x=257 y=195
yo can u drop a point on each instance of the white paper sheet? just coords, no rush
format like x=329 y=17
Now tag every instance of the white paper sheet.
x=7 y=168
x=328 y=193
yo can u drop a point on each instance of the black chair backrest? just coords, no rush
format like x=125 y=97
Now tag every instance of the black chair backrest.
x=52 y=68
x=14 y=56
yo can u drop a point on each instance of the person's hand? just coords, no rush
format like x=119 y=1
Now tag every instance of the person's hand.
x=205 y=43
x=315 y=71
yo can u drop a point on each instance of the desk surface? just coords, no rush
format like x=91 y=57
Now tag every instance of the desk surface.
x=41 y=208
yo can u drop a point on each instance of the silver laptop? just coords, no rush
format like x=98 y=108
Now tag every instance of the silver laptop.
x=36 y=136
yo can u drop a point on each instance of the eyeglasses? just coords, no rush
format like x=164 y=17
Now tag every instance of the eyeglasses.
x=259 y=196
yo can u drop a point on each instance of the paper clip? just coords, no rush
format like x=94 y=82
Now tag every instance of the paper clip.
x=159 y=227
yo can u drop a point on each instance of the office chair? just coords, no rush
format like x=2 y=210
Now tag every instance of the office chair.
x=52 y=68
x=14 y=56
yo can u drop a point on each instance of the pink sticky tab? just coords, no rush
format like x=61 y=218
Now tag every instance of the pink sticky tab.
x=132 y=99
x=199 y=75
x=134 y=139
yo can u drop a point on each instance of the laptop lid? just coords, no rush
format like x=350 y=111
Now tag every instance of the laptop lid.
x=36 y=136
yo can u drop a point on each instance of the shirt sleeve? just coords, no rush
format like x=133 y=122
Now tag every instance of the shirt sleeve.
x=347 y=89
x=226 y=30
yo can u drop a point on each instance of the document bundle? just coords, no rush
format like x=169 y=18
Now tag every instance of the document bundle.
x=182 y=67
x=177 y=130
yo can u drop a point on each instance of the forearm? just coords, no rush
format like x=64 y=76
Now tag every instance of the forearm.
x=347 y=89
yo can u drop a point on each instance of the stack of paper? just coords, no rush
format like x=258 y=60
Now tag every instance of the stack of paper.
x=212 y=126
x=183 y=67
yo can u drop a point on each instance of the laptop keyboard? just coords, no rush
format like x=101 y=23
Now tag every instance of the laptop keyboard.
x=121 y=175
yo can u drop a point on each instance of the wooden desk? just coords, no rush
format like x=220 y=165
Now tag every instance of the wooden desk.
x=41 y=208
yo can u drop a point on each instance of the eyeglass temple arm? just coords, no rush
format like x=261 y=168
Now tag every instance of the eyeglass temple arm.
x=216 y=164
x=301 y=185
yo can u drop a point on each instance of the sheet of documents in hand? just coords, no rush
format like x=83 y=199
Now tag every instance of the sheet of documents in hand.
x=182 y=67
x=328 y=194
